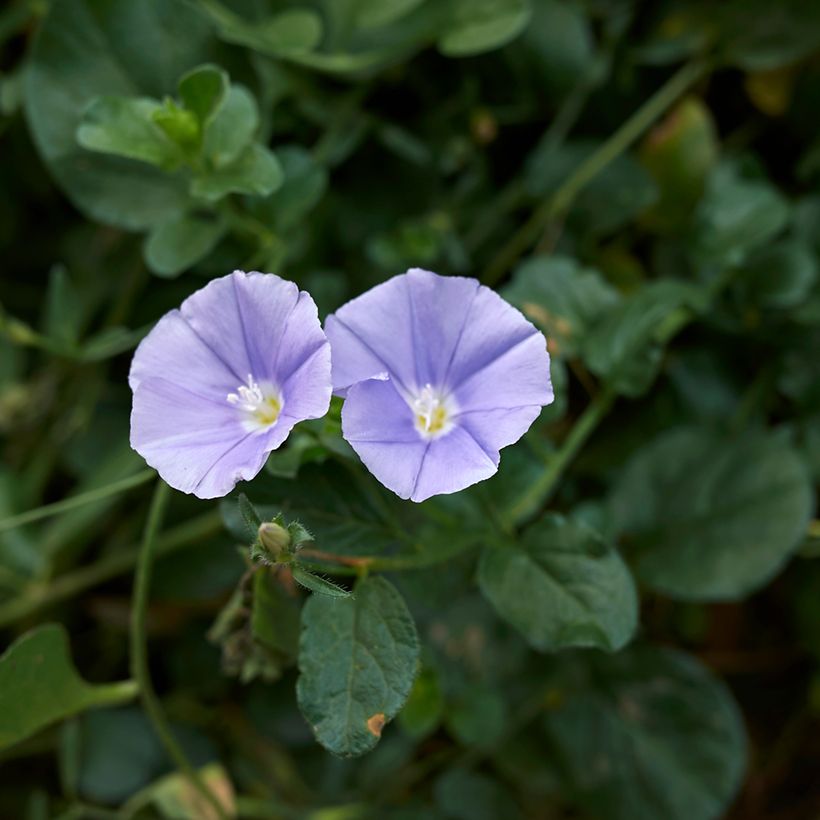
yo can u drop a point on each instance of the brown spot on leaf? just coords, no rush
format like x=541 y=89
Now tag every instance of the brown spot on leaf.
x=375 y=724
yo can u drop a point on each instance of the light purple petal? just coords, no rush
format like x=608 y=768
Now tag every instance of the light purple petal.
x=378 y=425
x=193 y=363
x=197 y=445
x=240 y=325
x=452 y=463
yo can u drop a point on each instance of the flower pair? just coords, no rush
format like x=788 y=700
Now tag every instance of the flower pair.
x=438 y=374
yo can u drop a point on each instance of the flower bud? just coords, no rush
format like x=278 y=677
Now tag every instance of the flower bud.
x=274 y=539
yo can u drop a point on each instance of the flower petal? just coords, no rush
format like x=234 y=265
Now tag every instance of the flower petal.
x=502 y=358
x=173 y=351
x=197 y=445
x=243 y=317
x=302 y=366
x=452 y=463
x=378 y=424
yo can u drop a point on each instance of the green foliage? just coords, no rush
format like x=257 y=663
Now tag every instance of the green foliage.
x=39 y=685
x=355 y=677
x=562 y=586
x=640 y=181
x=645 y=733
x=701 y=522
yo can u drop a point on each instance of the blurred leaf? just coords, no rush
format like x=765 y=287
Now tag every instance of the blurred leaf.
x=64 y=308
x=357 y=661
x=565 y=300
x=125 y=127
x=175 y=246
x=562 y=44
x=648 y=733
x=375 y=13
x=256 y=171
x=735 y=216
x=679 y=153
x=561 y=586
x=707 y=518
x=203 y=90
x=275 y=615
x=176 y=798
x=303 y=186
x=622 y=349
x=780 y=275
x=477 y=26
x=467 y=795
x=111 y=48
x=424 y=709
x=39 y=685
x=285 y=33
x=479 y=717
x=230 y=130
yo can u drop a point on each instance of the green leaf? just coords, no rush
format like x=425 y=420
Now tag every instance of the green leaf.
x=315 y=583
x=275 y=615
x=39 y=685
x=477 y=26
x=230 y=131
x=735 y=216
x=290 y=32
x=357 y=661
x=63 y=309
x=86 y=49
x=562 y=44
x=375 y=13
x=706 y=518
x=680 y=153
x=479 y=717
x=561 y=586
x=780 y=275
x=564 y=299
x=179 y=125
x=175 y=246
x=249 y=515
x=647 y=733
x=466 y=795
x=257 y=171
x=303 y=186
x=424 y=709
x=202 y=91
x=621 y=347
x=125 y=127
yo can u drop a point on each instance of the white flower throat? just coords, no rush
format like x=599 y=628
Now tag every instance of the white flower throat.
x=433 y=412
x=260 y=404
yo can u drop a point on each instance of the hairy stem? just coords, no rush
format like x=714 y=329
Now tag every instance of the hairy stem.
x=139 y=650
x=564 y=196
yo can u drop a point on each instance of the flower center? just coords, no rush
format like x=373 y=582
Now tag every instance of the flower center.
x=260 y=404
x=433 y=413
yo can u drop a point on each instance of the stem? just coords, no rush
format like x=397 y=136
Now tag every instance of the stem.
x=80 y=500
x=564 y=196
x=540 y=489
x=139 y=649
x=73 y=583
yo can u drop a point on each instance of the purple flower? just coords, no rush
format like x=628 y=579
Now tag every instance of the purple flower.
x=220 y=382
x=439 y=373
